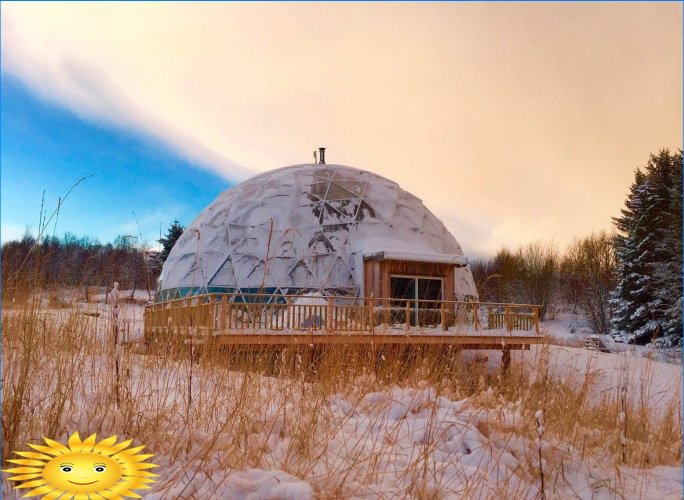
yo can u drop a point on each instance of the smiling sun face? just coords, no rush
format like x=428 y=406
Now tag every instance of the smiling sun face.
x=85 y=468
x=82 y=472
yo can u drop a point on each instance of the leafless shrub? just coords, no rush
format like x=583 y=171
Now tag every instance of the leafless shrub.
x=588 y=276
x=530 y=276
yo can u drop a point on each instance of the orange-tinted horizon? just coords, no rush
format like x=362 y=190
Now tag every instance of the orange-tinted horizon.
x=513 y=122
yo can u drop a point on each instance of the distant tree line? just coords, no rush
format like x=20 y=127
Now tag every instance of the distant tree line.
x=77 y=261
x=72 y=261
x=628 y=284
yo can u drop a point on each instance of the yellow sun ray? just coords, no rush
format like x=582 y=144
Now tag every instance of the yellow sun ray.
x=74 y=442
x=143 y=473
x=53 y=495
x=146 y=466
x=23 y=470
x=143 y=487
x=104 y=444
x=110 y=495
x=42 y=490
x=122 y=489
x=118 y=447
x=46 y=449
x=56 y=446
x=32 y=484
x=26 y=461
x=24 y=477
x=133 y=451
x=89 y=442
x=141 y=458
x=30 y=454
x=135 y=480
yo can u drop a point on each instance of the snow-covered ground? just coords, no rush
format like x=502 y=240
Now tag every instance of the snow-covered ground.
x=572 y=329
x=408 y=442
x=373 y=440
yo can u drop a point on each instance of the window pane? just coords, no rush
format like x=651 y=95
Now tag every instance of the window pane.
x=429 y=289
x=402 y=288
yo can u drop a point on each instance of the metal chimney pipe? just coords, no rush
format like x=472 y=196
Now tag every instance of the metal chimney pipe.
x=321 y=155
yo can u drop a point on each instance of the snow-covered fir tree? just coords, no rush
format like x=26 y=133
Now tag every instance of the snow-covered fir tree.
x=668 y=271
x=647 y=300
x=169 y=240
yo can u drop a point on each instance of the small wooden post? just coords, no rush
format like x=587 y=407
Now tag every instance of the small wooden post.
x=476 y=316
x=507 y=316
x=535 y=314
x=408 y=316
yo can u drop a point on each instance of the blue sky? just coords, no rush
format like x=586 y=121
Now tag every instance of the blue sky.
x=46 y=147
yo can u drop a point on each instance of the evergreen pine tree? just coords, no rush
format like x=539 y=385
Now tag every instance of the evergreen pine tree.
x=668 y=271
x=172 y=234
x=626 y=298
x=647 y=300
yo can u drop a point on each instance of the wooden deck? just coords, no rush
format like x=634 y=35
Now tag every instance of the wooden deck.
x=516 y=342
x=261 y=320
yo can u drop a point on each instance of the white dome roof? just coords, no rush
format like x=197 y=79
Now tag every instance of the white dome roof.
x=303 y=228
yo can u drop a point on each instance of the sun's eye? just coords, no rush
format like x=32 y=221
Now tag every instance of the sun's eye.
x=66 y=468
x=100 y=468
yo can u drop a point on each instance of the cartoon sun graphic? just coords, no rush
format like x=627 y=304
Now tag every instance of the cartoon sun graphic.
x=83 y=470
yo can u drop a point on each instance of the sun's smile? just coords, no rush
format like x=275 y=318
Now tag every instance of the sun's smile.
x=105 y=469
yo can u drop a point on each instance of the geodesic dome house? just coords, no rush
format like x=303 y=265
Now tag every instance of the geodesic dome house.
x=317 y=228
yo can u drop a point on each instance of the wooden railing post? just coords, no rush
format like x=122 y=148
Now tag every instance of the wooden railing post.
x=371 y=317
x=476 y=316
x=535 y=315
x=408 y=316
x=443 y=311
x=223 y=311
x=229 y=315
x=507 y=318
x=328 y=315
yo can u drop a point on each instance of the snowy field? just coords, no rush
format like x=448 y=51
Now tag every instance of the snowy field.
x=222 y=434
x=572 y=329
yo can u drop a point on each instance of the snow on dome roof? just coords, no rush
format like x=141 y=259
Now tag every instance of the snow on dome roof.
x=302 y=228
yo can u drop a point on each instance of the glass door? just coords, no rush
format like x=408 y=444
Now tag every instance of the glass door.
x=413 y=289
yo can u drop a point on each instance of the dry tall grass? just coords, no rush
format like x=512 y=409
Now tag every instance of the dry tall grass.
x=212 y=411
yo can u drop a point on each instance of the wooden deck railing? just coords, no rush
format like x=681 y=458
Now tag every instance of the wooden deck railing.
x=216 y=313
